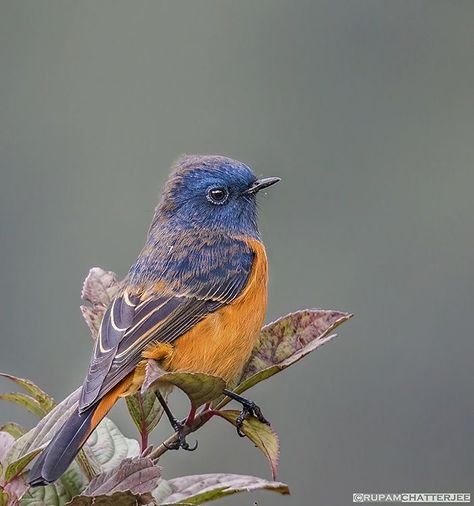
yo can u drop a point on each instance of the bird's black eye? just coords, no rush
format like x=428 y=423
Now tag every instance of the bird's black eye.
x=217 y=195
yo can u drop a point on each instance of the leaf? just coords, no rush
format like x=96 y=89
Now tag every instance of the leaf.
x=15 y=490
x=116 y=499
x=286 y=341
x=162 y=491
x=197 y=489
x=261 y=435
x=99 y=288
x=137 y=475
x=45 y=401
x=73 y=480
x=199 y=387
x=13 y=429
x=45 y=429
x=51 y=495
x=25 y=401
x=109 y=446
x=105 y=449
x=145 y=410
x=6 y=442
x=17 y=467
x=11 y=489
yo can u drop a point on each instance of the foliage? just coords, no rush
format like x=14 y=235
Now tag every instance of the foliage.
x=110 y=469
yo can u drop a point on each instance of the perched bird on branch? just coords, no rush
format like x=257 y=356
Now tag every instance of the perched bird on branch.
x=194 y=300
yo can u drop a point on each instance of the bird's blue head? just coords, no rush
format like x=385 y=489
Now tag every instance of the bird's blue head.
x=212 y=193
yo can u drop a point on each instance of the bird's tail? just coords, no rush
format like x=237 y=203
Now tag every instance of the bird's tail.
x=70 y=438
x=63 y=448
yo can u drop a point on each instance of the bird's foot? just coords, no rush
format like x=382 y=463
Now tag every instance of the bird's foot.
x=180 y=442
x=249 y=408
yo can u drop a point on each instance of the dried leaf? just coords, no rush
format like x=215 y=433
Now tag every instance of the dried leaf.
x=199 y=387
x=261 y=435
x=145 y=410
x=99 y=288
x=45 y=401
x=13 y=429
x=138 y=475
x=198 y=489
x=93 y=318
x=116 y=499
x=286 y=341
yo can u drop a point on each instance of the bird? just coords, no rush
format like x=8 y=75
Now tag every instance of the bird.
x=194 y=300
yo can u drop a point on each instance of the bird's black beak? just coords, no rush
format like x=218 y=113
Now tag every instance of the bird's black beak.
x=260 y=184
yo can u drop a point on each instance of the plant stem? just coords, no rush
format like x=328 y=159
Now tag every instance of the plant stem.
x=143 y=440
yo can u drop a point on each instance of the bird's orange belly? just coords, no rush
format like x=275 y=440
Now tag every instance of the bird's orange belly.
x=222 y=343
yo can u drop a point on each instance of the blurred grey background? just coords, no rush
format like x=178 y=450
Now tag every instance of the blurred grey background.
x=364 y=108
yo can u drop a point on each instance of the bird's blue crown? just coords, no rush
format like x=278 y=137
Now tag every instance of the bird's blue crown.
x=208 y=192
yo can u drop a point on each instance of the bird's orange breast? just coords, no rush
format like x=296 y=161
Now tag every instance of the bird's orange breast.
x=222 y=343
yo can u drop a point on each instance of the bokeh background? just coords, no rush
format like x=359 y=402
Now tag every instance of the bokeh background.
x=364 y=108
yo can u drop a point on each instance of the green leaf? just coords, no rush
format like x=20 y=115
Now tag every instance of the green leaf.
x=45 y=401
x=199 y=387
x=51 y=495
x=145 y=410
x=17 y=467
x=261 y=435
x=25 y=401
x=198 y=489
x=73 y=480
x=109 y=446
x=3 y=497
x=13 y=429
x=285 y=342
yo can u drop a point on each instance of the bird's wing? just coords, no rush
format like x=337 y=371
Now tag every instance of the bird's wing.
x=133 y=322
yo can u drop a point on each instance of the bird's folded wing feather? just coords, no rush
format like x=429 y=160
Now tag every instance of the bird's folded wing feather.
x=132 y=322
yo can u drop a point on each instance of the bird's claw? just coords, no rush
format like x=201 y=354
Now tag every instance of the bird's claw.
x=249 y=408
x=180 y=441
